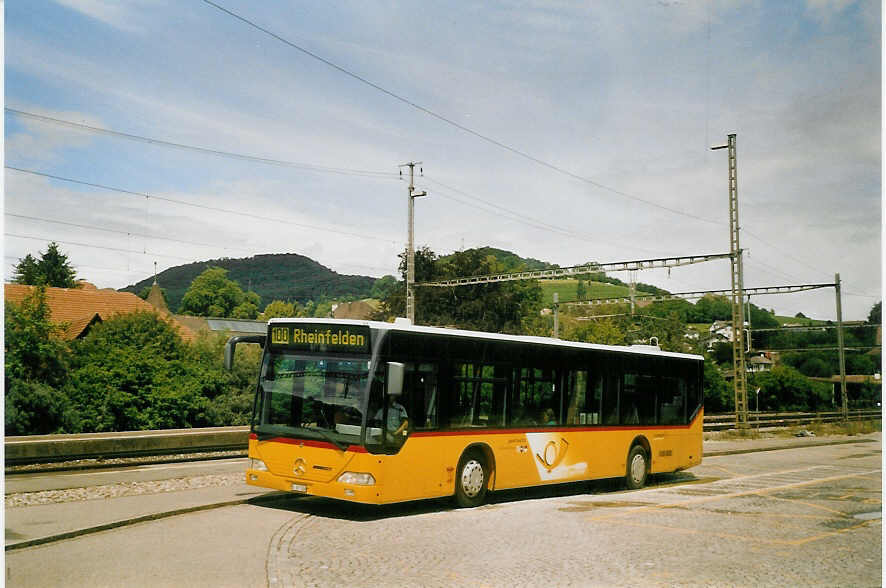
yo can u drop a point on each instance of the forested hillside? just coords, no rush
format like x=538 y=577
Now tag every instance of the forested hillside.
x=284 y=276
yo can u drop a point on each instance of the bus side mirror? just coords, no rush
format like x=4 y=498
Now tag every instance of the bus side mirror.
x=231 y=345
x=395 y=378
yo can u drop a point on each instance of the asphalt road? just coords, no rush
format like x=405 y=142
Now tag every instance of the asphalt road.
x=799 y=517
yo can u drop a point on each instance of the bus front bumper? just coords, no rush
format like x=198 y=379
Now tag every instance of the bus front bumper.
x=334 y=489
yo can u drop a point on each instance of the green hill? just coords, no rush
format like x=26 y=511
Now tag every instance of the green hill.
x=511 y=261
x=283 y=276
x=566 y=288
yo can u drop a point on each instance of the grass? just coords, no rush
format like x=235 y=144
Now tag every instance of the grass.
x=566 y=289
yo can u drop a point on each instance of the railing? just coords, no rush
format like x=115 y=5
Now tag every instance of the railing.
x=720 y=422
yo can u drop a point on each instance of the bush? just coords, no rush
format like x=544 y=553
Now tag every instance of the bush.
x=34 y=408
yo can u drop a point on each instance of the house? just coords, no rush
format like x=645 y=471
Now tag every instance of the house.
x=78 y=309
x=759 y=363
x=358 y=310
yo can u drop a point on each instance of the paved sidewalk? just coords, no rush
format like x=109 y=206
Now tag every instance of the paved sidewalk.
x=34 y=525
x=714 y=447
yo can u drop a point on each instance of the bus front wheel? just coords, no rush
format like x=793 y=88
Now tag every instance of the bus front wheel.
x=472 y=478
x=638 y=467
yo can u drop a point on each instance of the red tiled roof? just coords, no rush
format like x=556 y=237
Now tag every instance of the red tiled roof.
x=78 y=307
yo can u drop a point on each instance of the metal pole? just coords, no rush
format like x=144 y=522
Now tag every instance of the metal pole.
x=750 y=338
x=841 y=352
x=410 y=247
x=556 y=315
x=738 y=343
x=633 y=291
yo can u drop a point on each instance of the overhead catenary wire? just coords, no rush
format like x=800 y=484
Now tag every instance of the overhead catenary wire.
x=453 y=123
x=122 y=232
x=205 y=150
x=516 y=216
x=117 y=249
x=203 y=206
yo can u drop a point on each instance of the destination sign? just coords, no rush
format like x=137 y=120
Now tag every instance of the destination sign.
x=321 y=337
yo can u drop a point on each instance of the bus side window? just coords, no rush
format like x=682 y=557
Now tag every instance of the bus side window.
x=610 y=399
x=672 y=400
x=580 y=407
x=535 y=398
x=693 y=398
x=420 y=395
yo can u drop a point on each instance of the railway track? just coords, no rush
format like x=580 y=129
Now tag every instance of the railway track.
x=100 y=449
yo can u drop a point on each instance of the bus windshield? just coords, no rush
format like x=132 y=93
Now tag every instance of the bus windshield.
x=311 y=397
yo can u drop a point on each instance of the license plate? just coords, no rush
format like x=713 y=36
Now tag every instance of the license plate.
x=299 y=488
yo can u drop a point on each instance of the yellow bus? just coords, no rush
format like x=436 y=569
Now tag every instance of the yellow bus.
x=380 y=413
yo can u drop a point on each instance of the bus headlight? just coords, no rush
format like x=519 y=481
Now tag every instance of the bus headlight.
x=257 y=465
x=357 y=479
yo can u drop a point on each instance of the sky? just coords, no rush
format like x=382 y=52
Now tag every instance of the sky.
x=167 y=132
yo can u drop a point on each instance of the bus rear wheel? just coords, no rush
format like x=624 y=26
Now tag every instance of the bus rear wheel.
x=637 y=468
x=472 y=476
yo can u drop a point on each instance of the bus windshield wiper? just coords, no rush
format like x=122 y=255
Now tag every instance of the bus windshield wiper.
x=328 y=437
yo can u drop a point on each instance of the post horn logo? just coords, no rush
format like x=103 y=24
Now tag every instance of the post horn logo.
x=299 y=467
x=553 y=454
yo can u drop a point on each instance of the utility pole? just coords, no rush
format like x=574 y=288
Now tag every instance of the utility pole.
x=410 y=248
x=738 y=345
x=556 y=315
x=633 y=292
x=841 y=353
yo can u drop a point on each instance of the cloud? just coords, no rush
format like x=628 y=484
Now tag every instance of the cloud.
x=37 y=141
x=124 y=16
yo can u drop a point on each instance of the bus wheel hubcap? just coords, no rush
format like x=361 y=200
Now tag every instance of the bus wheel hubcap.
x=472 y=478
x=638 y=468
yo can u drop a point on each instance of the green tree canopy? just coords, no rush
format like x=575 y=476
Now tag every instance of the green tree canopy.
x=278 y=308
x=213 y=294
x=35 y=349
x=784 y=388
x=52 y=269
x=383 y=287
x=499 y=307
x=875 y=317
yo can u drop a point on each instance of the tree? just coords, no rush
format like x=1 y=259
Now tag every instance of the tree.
x=27 y=271
x=132 y=372
x=213 y=294
x=581 y=292
x=718 y=396
x=383 y=287
x=35 y=370
x=500 y=307
x=278 y=308
x=784 y=388
x=35 y=350
x=53 y=269
x=875 y=317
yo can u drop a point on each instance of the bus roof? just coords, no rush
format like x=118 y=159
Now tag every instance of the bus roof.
x=403 y=325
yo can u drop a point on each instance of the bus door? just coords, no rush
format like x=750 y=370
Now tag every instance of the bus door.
x=418 y=454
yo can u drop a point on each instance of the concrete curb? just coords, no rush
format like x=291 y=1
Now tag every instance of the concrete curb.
x=273 y=496
x=270 y=497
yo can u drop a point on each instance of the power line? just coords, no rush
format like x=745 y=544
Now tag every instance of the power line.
x=782 y=251
x=120 y=232
x=516 y=216
x=201 y=206
x=92 y=267
x=453 y=123
x=204 y=150
x=97 y=246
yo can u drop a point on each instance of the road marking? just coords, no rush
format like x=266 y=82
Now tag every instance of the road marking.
x=809 y=504
x=765 y=492
x=750 y=492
